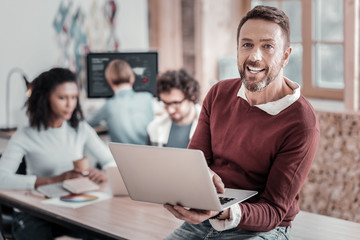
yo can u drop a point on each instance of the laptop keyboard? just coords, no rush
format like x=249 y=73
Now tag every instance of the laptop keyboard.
x=224 y=200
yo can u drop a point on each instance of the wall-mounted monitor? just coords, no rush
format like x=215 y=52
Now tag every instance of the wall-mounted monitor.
x=144 y=65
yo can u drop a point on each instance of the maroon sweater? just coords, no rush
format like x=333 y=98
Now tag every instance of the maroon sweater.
x=251 y=149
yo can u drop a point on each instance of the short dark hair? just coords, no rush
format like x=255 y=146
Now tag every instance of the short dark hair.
x=181 y=80
x=268 y=13
x=38 y=105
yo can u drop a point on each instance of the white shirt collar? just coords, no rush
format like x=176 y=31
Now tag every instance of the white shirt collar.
x=123 y=88
x=275 y=107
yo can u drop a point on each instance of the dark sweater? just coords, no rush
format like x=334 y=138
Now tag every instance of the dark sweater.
x=251 y=149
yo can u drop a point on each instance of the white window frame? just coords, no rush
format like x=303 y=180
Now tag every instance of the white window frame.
x=350 y=94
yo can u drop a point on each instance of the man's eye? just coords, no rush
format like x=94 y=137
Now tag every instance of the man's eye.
x=247 y=45
x=267 y=46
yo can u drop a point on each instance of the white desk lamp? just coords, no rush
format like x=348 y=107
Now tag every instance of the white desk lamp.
x=7 y=103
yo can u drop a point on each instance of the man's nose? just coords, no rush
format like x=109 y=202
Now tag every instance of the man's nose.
x=170 y=109
x=255 y=55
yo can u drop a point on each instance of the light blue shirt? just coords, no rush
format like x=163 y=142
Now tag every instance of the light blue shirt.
x=127 y=115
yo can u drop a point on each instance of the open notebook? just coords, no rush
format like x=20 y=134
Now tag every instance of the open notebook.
x=70 y=186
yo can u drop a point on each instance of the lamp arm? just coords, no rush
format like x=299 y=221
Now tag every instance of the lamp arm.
x=12 y=71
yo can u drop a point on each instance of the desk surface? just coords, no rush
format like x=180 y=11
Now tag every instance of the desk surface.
x=122 y=218
x=310 y=226
x=115 y=218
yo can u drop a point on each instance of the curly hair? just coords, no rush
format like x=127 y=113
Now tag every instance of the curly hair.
x=271 y=14
x=38 y=105
x=180 y=80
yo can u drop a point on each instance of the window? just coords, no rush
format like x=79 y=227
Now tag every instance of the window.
x=317 y=61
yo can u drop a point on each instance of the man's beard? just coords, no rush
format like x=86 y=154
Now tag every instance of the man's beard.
x=255 y=87
x=182 y=116
x=250 y=83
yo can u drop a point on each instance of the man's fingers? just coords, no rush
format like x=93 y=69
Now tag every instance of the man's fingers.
x=219 y=185
x=173 y=211
x=192 y=216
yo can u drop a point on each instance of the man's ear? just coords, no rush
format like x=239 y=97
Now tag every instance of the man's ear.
x=287 y=56
x=132 y=78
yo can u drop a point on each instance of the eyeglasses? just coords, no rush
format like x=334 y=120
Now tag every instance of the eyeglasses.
x=174 y=103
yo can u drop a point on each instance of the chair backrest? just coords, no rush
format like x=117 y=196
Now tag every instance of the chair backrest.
x=7 y=212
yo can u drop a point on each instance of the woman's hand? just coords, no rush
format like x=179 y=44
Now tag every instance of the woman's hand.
x=66 y=175
x=97 y=176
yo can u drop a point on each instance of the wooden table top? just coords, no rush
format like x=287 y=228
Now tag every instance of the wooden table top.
x=123 y=218
x=115 y=218
x=311 y=226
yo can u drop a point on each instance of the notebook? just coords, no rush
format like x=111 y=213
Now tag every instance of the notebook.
x=171 y=175
x=115 y=181
x=53 y=190
x=80 y=185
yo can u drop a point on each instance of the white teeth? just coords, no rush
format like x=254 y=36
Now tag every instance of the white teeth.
x=254 y=70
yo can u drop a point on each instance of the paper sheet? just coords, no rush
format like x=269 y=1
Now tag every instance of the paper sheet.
x=57 y=202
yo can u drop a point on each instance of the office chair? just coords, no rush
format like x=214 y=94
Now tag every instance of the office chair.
x=7 y=212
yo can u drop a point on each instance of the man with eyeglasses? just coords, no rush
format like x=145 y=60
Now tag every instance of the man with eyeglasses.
x=179 y=92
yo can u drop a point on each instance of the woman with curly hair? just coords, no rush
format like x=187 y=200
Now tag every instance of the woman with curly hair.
x=56 y=136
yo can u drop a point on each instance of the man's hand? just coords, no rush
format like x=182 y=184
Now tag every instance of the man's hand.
x=195 y=216
x=192 y=216
x=219 y=185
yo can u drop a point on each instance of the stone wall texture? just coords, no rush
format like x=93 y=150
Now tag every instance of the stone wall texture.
x=333 y=185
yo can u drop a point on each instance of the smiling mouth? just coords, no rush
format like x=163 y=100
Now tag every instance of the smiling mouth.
x=254 y=70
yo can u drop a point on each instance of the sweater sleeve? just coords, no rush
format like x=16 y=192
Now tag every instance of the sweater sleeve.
x=285 y=179
x=10 y=162
x=96 y=147
x=201 y=138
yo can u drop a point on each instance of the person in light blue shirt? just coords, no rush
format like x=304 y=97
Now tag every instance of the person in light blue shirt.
x=127 y=113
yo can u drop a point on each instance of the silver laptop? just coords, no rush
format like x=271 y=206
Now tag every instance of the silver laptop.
x=116 y=183
x=171 y=175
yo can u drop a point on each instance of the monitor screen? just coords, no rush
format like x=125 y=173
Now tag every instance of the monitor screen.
x=143 y=64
